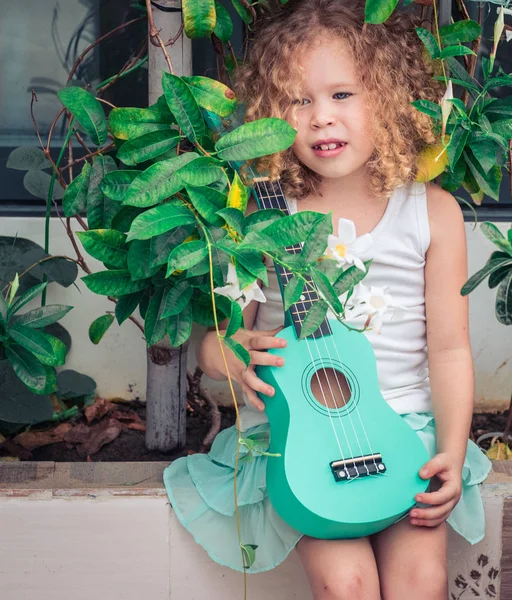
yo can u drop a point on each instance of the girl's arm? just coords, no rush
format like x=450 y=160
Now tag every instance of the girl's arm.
x=449 y=355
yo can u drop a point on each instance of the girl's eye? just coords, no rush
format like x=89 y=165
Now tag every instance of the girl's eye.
x=341 y=94
x=300 y=102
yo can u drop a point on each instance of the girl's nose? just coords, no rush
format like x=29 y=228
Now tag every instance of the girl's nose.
x=321 y=118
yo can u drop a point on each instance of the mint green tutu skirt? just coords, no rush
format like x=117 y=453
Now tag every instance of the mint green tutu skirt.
x=200 y=489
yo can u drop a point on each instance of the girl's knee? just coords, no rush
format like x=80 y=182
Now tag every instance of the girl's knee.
x=429 y=579
x=347 y=583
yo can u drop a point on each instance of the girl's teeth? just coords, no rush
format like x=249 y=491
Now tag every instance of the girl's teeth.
x=331 y=146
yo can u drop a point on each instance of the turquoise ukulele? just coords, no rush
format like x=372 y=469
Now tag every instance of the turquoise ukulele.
x=348 y=464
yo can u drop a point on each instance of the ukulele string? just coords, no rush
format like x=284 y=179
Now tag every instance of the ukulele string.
x=340 y=387
x=317 y=372
x=377 y=472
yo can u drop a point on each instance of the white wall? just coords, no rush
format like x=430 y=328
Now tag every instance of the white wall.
x=118 y=363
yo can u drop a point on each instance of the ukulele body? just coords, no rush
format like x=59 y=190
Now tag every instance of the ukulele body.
x=343 y=472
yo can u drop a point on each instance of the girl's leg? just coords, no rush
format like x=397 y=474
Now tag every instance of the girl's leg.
x=411 y=561
x=340 y=569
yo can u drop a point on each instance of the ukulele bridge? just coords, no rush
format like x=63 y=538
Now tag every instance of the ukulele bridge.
x=358 y=466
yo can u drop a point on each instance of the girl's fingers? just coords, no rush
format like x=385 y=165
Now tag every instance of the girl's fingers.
x=253 y=397
x=250 y=378
x=441 y=496
x=433 y=513
x=266 y=342
x=425 y=523
x=265 y=358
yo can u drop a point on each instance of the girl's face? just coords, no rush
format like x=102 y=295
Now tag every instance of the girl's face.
x=333 y=136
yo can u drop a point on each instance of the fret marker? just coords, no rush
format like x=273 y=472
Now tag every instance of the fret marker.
x=302 y=297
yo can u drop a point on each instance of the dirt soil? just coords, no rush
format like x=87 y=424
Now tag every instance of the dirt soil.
x=130 y=444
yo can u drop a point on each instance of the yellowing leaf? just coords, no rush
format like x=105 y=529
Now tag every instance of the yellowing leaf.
x=432 y=161
x=478 y=197
x=238 y=195
x=499 y=451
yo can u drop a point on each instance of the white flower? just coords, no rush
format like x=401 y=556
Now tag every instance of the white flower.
x=371 y=302
x=446 y=105
x=345 y=247
x=244 y=296
x=499 y=26
x=508 y=34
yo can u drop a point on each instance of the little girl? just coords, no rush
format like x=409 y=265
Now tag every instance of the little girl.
x=347 y=89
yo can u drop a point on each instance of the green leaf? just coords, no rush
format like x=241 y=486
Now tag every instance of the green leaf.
x=504 y=301
x=27 y=368
x=183 y=106
x=503 y=127
x=72 y=384
x=106 y=245
x=203 y=311
x=238 y=350
x=199 y=18
x=27 y=158
x=3 y=308
x=154 y=326
x=32 y=340
x=349 y=278
x=58 y=355
x=139 y=257
x=254 y=139
x=207 y=202
x=179 y=327
x=455 y=51
x=314 y=318
x=126 y=305
x=249 y=259
x=480 y=275
x=160 y=219
x=429 y=41
x=292 y=291
x=38 y=184
x=292 y=229
x=233 y=217
x=176 y=299
x=129 y=123
x=148 y=146
x=113 y=283
x=496 y=277
x=260 y=219
x=43 y=316
x=429 y=108
x=488 y=182
x=212 y=95
x=116 y=183
x=257 y=241
x=499 y=106
x=460 y=31
x=316 y=241
x=452 y=181
x=498 y=82
x=124 y=218
x=202 y=171
x=493 y=234
x=326 y=289
x=99 y=327
x=486 y=150
x=161 y=245
x=249 y=553
x=235 y=319
x=75 y=196
x=29 y=295
x=186 y=255
x=158 y=182
x=243 y=11
x=224 y=25
x=100 y=209
x=88 y=112
x=379 y=11
x=456 y=145
x=462 y=77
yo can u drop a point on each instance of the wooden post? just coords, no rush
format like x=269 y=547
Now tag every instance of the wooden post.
x=166 y=389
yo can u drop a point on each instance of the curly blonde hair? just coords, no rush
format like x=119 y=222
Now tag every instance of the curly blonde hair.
x=393 y=71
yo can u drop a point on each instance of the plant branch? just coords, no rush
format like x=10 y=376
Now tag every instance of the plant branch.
x=98 y=41
x=154 y=36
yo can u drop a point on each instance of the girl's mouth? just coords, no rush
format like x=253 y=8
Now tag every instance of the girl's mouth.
x=328 y=150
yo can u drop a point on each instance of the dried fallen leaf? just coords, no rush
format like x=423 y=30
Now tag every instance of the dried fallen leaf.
x=132 y=419
x=98 y=410
x=35 y=439
x=499 y=451
x=99 y=435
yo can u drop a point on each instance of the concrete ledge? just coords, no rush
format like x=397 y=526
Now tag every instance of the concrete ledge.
x=106 y=531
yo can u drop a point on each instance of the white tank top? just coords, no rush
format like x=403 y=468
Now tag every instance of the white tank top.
x=400 y=242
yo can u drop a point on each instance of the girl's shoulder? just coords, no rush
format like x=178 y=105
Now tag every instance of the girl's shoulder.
x=445 y=217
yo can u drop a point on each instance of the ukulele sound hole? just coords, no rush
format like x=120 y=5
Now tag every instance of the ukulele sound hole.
x=330 y=388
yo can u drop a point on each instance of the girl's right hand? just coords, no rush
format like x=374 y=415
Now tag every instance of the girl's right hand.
x=256 y=342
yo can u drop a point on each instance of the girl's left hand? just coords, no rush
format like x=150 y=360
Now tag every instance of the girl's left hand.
x=449 y=471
